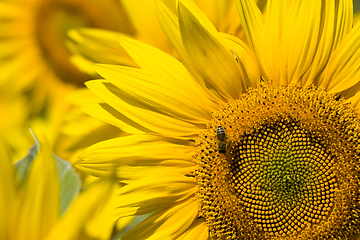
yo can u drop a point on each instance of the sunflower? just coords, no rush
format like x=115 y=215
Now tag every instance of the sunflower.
x=34 y=56
x=236 y=141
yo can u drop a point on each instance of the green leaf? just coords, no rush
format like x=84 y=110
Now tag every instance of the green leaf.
x=69 y=181
x=23 y=165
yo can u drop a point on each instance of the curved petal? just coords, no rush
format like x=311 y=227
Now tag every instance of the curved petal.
x=142 y=151
x=299 y=39
x=166 y=224
x=355 y=101
x=252 y=22
x=198 y=230
x=144 y=56
x=245 y=58
x=153 y=193
x=343 y=70
x=89 y=45
x=168 y=95
x=291 y=35
x=105 y=113
x=38 y=206
x=213 y=61
x=170 y=25
x=140 y=113
x=129 y=174
x=336 y=23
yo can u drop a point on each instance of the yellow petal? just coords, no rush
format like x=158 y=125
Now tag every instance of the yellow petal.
x=166 y=224
x=343 y=69
x=38 y=205
x=128 y=174
x=336 y=22
x=84 y=215
x=355 y=101
x=300 y=33
x=212 y=59
x=109 y=115
x=153 y=193
x=252 y=22
x=139 y=113
x=166 y=94
x=7 y=189
x=222 y=14
x=198 y=230
x=245 y=58
x=89 y=45
x=141 y=150
x=142 y=15
x=154 y=60
x=170 y=25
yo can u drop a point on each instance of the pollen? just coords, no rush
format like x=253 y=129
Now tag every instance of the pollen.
x=290 y=169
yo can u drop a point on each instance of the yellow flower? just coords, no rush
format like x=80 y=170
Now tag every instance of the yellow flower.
x=34 y=56
x=38 y=199
x=237 y=142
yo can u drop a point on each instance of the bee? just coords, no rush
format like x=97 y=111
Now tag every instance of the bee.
x=221 y=136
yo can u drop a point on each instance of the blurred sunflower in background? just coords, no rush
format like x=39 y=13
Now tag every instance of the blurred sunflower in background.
x=253 y=141
x=35 y=62
x=34 y=56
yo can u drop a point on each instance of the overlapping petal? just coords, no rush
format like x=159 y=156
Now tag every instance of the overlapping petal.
x=153 y=193
x=88 y=46
x=212 y=59
x=103 y=158
x=252 y=22
x=198 y=230
x=140 y=112
x=343 y=69
x=299 y=50
x=166 y=224
x=109 y=115
x=169 y=95
x=336 y=21
x=246 y=60
x=37 y=208
x=86 y=215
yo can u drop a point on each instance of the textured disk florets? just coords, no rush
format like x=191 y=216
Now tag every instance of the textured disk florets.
x=290 y=170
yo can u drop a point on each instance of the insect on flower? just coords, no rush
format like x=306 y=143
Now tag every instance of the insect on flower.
x=221 y=136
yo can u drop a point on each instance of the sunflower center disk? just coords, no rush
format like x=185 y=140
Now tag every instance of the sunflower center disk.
x=283 y=178
x=290 y=168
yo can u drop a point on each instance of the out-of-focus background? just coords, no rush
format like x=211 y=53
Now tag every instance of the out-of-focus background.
x=356 y=5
